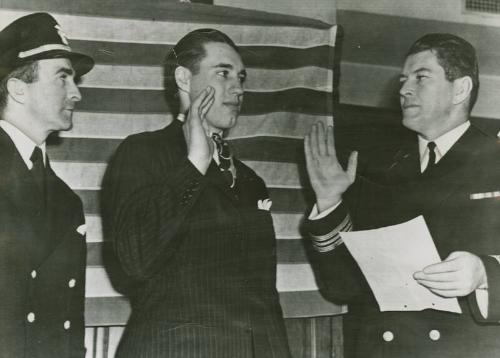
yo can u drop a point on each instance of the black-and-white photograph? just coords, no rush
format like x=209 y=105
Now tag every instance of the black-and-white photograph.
x=249 y=178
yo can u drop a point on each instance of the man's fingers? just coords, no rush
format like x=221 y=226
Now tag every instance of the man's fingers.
x=352 y=166
x=206 y=105
x=200 y=98
x=441 y=267
x=330 y=142
x=320 y=138
x=207 y=98
x=437 y=277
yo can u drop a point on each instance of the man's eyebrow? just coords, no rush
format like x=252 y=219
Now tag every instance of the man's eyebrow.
x=420 y=69
x=65 y=70
x=223 y=65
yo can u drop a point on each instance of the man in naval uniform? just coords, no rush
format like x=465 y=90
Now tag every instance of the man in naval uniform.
x=42 y=232
x=450 y=174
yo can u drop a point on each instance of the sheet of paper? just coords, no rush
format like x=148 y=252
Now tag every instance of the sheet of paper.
x=389 y=256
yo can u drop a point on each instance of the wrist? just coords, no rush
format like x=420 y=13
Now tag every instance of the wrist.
x=324 y=203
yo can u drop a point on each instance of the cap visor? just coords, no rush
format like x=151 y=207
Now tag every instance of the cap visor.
x=81 y=63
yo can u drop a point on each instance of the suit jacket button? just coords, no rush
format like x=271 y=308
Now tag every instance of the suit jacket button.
x=388 y=336
x=31 y=317
x=33 y=274
x=67 y=325
x=72 y=283
x=434 y=335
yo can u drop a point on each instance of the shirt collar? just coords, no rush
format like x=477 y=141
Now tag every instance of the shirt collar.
x=443 y=144
x=23 y=143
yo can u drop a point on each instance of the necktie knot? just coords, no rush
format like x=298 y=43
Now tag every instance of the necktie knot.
x=432 y=155
x=223 y=151
x=37 y=157
x=38 y=172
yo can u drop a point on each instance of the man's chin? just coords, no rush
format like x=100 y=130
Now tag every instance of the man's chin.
x=409 y=122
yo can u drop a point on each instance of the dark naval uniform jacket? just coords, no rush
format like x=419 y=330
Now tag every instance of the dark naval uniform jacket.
x=42 y=263
x=459 y=199
x=201 y=256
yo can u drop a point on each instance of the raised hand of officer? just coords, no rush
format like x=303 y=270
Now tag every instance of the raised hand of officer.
x=200 y=146
x=328 y=179
x=458 y=275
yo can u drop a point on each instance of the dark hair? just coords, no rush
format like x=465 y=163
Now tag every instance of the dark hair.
x=456 y=56
x=188 y=52
x=27 y=73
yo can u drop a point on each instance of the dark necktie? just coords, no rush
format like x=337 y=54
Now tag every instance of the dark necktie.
x=224 y=155
x=38 y=171
x=432 y=155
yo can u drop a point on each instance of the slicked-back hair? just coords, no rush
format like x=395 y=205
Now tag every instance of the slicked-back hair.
x=189 y=52
x=27 y=73
x=455 y=55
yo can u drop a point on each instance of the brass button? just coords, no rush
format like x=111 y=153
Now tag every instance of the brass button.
x=31 y=317
x=388 y=336
x=434 y=335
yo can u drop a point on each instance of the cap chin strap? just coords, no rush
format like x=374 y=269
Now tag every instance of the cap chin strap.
x=44 y=48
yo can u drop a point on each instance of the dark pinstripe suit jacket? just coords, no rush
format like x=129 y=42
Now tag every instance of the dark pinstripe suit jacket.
x=201 y=256
x=42 y=264
x=456 y=201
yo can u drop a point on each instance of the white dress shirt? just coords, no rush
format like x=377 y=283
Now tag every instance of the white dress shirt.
x=443 y=144
x=23 y=143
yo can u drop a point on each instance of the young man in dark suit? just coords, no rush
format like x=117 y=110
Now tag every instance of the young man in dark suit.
x=42 y=232
x=450 y=174
x=191 y=224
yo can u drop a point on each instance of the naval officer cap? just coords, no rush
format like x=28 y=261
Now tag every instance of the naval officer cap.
x=36 y=37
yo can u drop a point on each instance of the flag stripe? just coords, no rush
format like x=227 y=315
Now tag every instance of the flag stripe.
x=93 y=150
x=288 y=252
x=141 y=54
x=286 y=226
x=284 y=200
x=88 y=176
x=290 y=278
x=115 y=311
x=120 y=125
x=151 y=78
x=301 y=100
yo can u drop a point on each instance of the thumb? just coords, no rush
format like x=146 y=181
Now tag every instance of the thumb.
x=454 y=255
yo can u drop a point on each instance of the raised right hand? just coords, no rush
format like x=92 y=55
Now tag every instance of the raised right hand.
x=200 y=146
x=328 y=179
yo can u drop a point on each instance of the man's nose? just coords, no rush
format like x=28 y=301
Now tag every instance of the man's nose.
x=74 y=92
x=237 y=88
x=406 y=89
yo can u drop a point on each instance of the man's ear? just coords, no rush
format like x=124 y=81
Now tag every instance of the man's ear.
x=183 y=79
x=462 y=87
x=17 y=89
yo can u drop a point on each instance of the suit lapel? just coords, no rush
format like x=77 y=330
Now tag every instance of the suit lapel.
x=217 y=179
x=19 y=187
x=59 y=217
x=16 y=181
x=405 y=165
